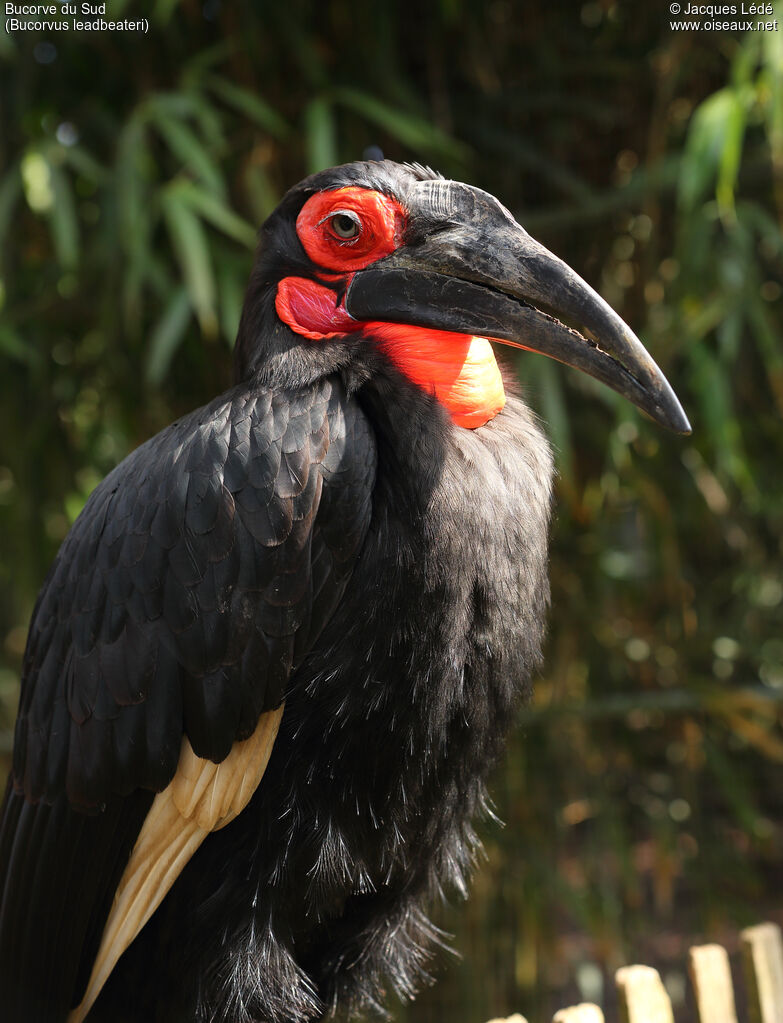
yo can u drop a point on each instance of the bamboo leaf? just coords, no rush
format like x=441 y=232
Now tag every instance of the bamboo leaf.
x=84 y=163
x=247 y=103
x=135 y=214
x=179 y=105
x=167 y=336
x=12 y=345
x=7 y=47
x=210 y=125
x=199 y=64
x=10 y=192
x=772 y=76
x=62 y=218
x=767 y=226
x=413 y=131
x=262 y=193
x=185 y=144
x=746 y=59
x=217 y=213
x=768 y=344
x=546 y=380
x=231 y=288
x=732 y=786
x=704 y=145
x=712 y=387
x=320 y=135
x=130 y=188
x=164 y=9
x=731 y=153
x=190 y=246
x=729 y=332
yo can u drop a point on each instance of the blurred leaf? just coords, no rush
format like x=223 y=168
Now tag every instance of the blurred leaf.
x=705 y=315
x=131 y=189
x=199 y=62
x=510 y=147
x=85 y=163
x=135 y=214
x=210 y=123
x=731 y=786
x=250 y=105
x=546 y=381
x=745 y=60
x=717 y=123
x=731 y=153
x=218 y=214
x=192 y=250
x=7 y=47
x=764 y=223
x=758 y=735
x=163 y=10
x=320 y=135
x=36 y=171
x=263 y=196
x=231 y=288
x=10 y=191
x=186 y=145
x=718 y=415
x=729 y=333
x=419 y=135
x=167 y=336
x=63 y=219
x=772 y=79
x=14 y=347
x=769 y=345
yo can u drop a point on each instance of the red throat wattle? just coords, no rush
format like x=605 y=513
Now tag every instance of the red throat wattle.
x=344 y=231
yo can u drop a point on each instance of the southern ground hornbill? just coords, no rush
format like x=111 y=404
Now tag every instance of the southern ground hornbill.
x=284 y=641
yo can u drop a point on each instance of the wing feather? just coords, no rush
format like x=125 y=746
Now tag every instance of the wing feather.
x=202 y=797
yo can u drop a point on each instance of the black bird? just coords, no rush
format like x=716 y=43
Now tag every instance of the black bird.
x=283 y=643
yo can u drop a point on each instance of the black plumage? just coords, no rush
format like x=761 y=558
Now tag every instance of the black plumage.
x=322 y=534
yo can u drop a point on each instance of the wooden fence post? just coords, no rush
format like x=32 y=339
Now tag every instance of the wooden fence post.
x=762 y=954
x=516 y=1018
x=711 y=978
x=584 y=1013
x=643 y=997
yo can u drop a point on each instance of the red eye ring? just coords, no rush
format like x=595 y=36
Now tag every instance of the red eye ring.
x=380 y=220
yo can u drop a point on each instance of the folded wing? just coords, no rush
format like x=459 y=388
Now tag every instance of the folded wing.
x=198 y=575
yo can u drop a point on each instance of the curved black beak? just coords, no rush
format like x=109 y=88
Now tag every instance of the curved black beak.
x=480 y=273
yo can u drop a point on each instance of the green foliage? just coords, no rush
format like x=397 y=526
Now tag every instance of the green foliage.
x=642 y=793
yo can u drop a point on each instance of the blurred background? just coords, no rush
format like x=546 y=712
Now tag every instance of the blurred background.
x=642 y=794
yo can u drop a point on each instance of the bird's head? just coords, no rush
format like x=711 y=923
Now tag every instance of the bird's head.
x=384 y=257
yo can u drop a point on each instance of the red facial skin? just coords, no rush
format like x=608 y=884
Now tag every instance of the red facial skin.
x=459 y=369
x=381 y=221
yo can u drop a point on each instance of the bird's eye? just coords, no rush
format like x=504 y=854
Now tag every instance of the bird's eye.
x=344 y=226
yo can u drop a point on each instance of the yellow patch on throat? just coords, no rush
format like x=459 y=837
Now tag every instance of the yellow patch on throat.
x=460 y=370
